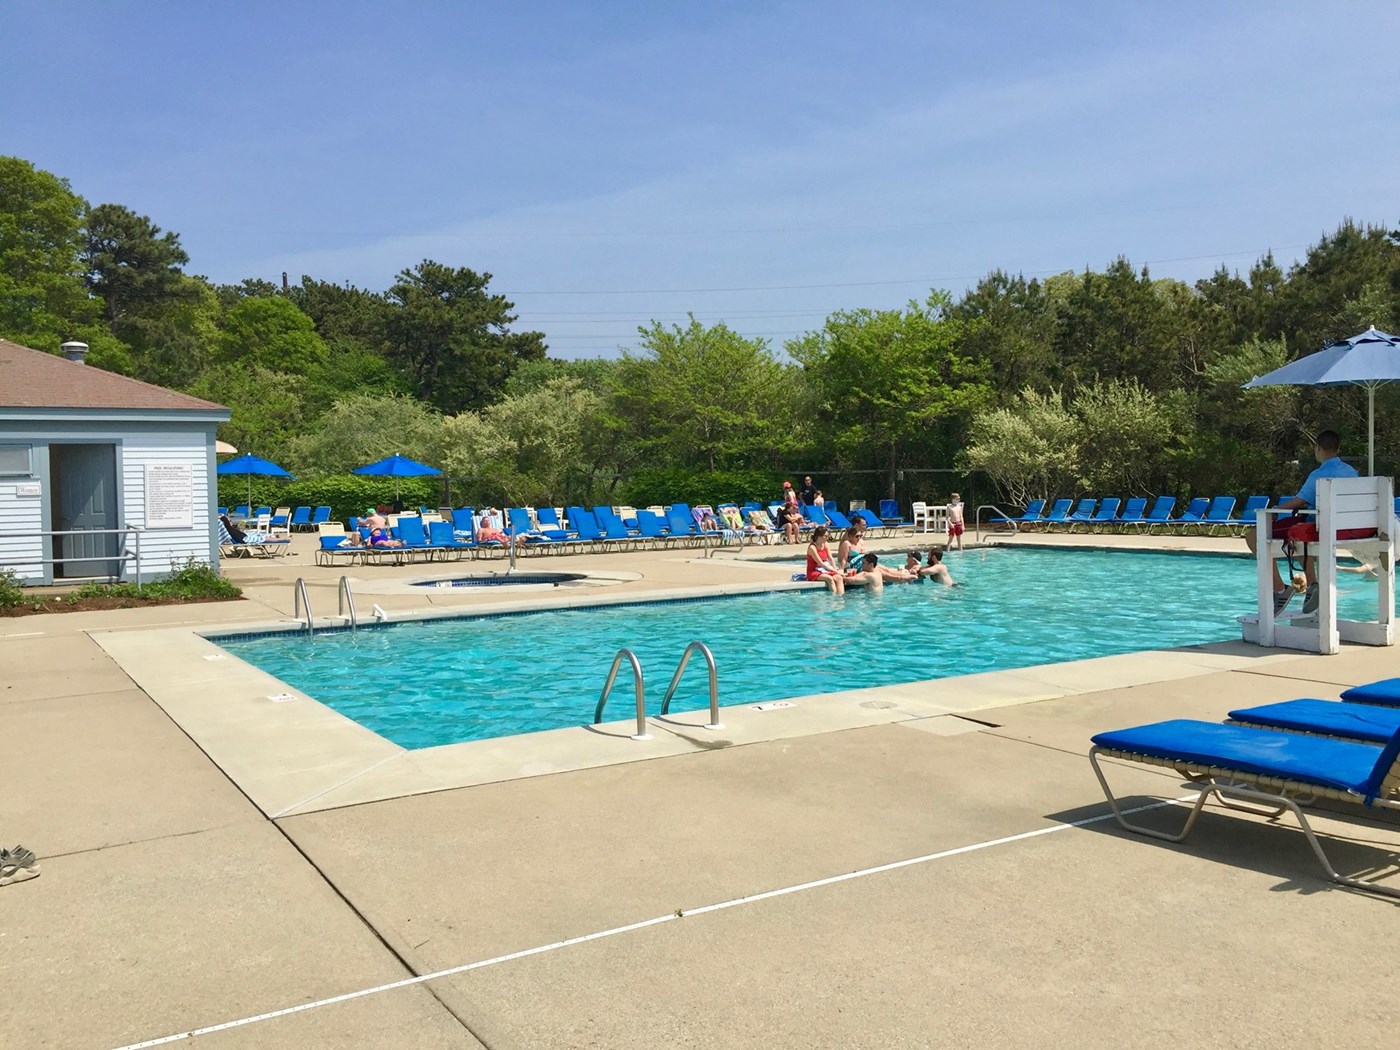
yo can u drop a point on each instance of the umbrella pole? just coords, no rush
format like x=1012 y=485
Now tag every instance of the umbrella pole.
x=1370 y=430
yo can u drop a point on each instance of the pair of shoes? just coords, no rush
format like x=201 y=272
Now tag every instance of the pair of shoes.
x=1281 y=599
x=1310 y=599
x=17 y=865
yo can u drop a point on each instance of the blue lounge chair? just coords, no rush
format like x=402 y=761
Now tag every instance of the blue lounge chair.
x=1082 y=513
x=889 y=513
x=837 y=519
x=1219 y=514
x=1034 y=509
x=415 y=539
x=652 y=528
x=240 y=512
x=1102 y=518
x=1134 y=511
x=1252 y=506
x=682 y=525
x=1235 y=762
x=1335 y=718
x=875 y=524
x=1057 y=514
x=1160 y=513
x=1386 y=692
x=613 y=528
x=301 y=520
x=589 y=532
x=443 y=537
x=552 y=527
x=816 y=515
x=1191 y=517
x=335 y=548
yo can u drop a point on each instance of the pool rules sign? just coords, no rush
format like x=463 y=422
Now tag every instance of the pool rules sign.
x=169 y=496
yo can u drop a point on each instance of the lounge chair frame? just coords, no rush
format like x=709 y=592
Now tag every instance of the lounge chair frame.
x=1239 y=787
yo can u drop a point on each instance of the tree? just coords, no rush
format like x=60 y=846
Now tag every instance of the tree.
x=42 y=297
x=270 y=333
x=882 y=378
x=130 y=264
x=526 y=449
x=453 y=340
x=1029 y=447
x=1016 y=332
x=268 y=409
x=1125 y=435
x=704 y=396
x=1116 y=325
x=362 y=428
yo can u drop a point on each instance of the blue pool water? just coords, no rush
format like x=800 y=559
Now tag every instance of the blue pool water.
x=439 y=682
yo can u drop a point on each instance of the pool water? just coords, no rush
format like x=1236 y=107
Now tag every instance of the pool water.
x=426 y=683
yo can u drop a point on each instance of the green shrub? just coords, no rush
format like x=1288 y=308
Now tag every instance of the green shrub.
x=11 y=592
x=678 y=485
x=194 y=579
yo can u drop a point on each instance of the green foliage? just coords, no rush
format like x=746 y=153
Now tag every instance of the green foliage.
x=1030 y=448
x=193 y=581
x=528 y=449
x=11 y=590
x=663 y=485
x=269 y=407
x=362 y=428
x=42 y=297
x=451 y=338
x=272 y=334
x=130 y=264
x=705 y=396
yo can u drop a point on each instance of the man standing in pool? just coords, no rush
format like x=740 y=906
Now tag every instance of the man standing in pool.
x=1327 y=448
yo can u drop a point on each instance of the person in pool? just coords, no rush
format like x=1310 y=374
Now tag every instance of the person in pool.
x=875 y=575
x=819 y=563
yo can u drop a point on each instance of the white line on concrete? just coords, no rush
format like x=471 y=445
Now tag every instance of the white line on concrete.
x=630 y=927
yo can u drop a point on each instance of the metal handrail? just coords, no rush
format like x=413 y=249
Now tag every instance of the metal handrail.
x=638 y=681
x=1007 y=518
x=344 y=600
x=704 y=650
x=133 y=555
x=302 y=604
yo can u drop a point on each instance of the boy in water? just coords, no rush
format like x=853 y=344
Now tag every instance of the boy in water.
x=955 y=520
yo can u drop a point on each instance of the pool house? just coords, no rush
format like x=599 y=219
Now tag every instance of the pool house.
x=101 y=476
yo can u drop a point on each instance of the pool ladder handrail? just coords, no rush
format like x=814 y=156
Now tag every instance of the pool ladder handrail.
x=640 y=684
x=344 y=600
x=1006 y=519
x=700 y=647
x=301 y=604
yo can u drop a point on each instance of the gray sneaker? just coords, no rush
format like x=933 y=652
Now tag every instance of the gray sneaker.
x=1281 y=599
x=1310 y=599
x=17 y=865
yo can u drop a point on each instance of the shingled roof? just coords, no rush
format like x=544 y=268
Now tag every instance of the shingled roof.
x=33 y=379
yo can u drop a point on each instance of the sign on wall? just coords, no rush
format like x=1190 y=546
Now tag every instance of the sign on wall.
x=169 y=496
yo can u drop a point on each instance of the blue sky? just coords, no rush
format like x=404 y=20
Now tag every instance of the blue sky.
x=762 y=164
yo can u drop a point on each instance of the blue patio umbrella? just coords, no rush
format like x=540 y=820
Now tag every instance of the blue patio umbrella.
x=251 y=465
x=1368 y=360
x=397 y=466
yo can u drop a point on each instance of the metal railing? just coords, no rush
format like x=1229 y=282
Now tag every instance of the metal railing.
x=1006 y=519
x=301 y=604
x=640 y=684
x=122 y=555
x=703 y=650
x=346 y=600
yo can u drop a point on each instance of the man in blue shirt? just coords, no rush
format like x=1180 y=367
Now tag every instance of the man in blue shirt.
x=1329 y=465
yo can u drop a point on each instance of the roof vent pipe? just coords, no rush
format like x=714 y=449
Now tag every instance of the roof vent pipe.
x=74 y=351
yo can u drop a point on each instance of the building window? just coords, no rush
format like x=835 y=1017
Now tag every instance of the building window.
x=14 y=461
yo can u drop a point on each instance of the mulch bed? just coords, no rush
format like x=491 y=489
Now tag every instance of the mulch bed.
x=61 y=604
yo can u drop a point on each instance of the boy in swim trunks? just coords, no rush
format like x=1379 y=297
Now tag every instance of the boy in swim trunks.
x=955 y=520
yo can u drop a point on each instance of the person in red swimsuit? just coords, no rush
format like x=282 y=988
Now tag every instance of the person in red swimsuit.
x=955 y=520
x=819 y=563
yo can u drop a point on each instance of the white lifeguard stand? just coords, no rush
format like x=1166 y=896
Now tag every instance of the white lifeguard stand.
x=1348 y=506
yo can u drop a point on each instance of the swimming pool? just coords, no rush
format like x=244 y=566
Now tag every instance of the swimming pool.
x=426 y=683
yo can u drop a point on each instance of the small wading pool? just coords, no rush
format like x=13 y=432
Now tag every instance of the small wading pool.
x=424 y=683
x=502 y=580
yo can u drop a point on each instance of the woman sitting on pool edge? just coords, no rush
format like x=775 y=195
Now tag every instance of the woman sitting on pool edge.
x=819 y=563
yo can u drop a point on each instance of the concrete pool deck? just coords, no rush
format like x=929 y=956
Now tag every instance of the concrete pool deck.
x=170 y=900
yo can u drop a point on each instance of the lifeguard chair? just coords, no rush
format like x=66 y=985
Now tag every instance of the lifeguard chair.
x=1356 y=515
